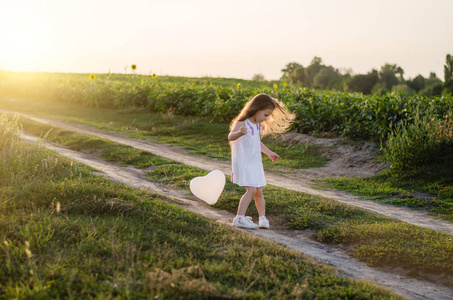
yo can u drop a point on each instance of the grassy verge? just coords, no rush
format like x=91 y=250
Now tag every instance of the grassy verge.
x=429 y=188
x=201 y=136
x=66 y=233
x=376 y=240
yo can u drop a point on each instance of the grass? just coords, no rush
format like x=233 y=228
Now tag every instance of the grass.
x=198 y=135
x=66 y=233
x=376 y=240
x=429 y=187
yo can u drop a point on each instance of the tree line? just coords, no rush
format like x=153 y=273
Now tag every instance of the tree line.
x=389 y=77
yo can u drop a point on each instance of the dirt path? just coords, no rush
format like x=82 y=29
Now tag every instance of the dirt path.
x=296 y=240
x=294 y=181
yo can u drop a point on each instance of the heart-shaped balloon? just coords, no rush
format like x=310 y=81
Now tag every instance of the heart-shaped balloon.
x=208 y=188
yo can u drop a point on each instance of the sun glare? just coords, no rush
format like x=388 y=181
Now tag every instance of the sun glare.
x=27 y=38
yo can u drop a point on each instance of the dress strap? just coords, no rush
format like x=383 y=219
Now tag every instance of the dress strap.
x=251 y=127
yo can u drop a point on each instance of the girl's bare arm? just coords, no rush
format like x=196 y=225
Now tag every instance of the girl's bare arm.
x=272 y=155
x=238 y=131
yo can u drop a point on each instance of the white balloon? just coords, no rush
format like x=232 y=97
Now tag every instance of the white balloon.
x=208 y=188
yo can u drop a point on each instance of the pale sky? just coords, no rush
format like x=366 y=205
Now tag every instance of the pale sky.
x=224 y=39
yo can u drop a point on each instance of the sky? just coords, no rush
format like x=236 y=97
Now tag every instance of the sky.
x=232 y=38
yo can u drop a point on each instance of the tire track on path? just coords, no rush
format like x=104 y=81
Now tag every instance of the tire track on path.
x=289 y=181
x=330 y=255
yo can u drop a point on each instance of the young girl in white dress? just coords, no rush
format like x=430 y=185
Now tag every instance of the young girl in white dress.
x=260 y=116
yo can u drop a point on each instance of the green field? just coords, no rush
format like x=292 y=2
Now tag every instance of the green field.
x=377 y=240
x=194 y=113
x=191 y=112
x=66 y=233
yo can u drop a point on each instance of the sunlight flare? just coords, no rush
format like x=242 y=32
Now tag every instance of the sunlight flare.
x=29 y=39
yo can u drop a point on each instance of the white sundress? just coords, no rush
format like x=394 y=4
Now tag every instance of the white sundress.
x=246 y=159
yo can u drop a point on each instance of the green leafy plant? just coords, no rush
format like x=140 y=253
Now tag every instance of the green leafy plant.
x=220 y=99
x=424 y=140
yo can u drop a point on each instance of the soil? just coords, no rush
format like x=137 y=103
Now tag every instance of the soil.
x=345 y=158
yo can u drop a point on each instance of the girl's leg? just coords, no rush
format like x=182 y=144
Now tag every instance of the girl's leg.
x=259 y=202
x=245 y=200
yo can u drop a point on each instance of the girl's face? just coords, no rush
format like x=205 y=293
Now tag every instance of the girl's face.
x=261 y=115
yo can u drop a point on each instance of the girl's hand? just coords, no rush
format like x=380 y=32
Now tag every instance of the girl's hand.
x=273 y=156
x=243 y=130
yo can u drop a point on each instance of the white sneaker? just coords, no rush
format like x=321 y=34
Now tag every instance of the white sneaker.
x=263 y=223
x=244 y=222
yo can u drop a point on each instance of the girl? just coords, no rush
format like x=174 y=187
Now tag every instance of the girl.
x=260 y=116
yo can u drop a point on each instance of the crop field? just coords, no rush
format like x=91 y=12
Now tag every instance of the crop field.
x=220 y=99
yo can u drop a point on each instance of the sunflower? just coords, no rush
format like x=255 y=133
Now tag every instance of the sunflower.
x=133 y=67
x=275 y=86
x=285 y=84
x=154 y=75
x=92 y=77
x=239 y=85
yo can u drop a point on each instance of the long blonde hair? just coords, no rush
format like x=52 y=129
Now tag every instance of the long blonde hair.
x=277 y=123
